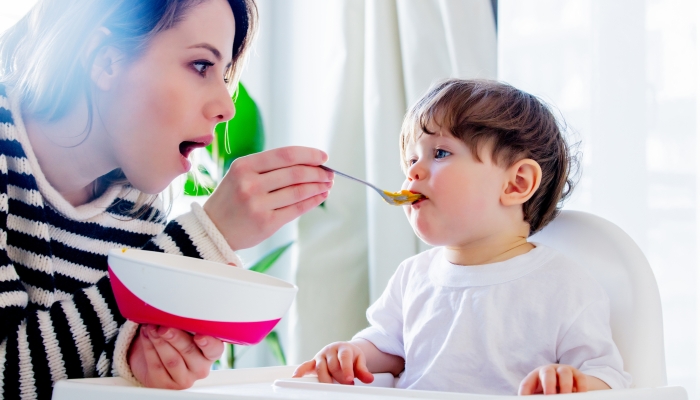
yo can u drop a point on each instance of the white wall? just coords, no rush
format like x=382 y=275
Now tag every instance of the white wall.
x=623 y=73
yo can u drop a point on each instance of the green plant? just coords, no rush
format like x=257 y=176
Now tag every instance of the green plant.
x=272 y=339
x=239 y=137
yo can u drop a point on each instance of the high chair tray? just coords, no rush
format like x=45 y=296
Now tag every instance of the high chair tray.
x=274 y=383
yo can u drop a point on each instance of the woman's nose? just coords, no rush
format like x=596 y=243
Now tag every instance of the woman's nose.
x=221 y=108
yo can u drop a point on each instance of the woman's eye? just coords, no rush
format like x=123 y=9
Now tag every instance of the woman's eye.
x=440 y=153
x=202 y=66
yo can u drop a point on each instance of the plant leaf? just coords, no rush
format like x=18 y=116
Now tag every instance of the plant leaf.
x=273 y=342
x=199 y=183
x=242 y=135
x=268 y=259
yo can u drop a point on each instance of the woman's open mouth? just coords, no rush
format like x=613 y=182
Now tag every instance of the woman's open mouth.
x=187 y=147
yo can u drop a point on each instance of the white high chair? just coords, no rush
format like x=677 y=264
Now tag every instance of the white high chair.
x=619 y=265
x=607 y=252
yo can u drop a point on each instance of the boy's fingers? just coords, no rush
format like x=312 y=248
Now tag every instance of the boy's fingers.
x=565 y=379
x=211 y=348
x=334 y=366
x=304 y=369
x=361 y=370
x=580 y=381
x=548 y=377
x=529 y=384
x=346 y=363
x=322 y=371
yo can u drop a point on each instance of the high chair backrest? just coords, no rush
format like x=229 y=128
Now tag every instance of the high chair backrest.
x=618 y=264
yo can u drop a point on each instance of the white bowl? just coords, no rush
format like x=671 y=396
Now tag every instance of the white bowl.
x=230 y=303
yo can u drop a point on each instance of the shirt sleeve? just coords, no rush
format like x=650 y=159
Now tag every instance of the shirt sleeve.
x=385 y=317
x=588 y=346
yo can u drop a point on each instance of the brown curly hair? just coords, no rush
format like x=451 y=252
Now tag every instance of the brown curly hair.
x=518 y=124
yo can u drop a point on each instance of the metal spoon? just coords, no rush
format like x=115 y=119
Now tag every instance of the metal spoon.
x=395 y=199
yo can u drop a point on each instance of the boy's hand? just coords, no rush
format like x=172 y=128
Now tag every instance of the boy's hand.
x=168 y=358
x=554 y=378
x=341 y=361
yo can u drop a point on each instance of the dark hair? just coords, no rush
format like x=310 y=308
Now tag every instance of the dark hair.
x=41 y=57
x=518 y=124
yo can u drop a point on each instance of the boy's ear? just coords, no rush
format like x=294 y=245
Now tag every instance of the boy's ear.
x=103 y=61
x=523 y=180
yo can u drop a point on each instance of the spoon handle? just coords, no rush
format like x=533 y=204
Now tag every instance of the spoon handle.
x=349 y=177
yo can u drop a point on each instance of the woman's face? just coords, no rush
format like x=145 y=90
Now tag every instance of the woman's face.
x=167 y=101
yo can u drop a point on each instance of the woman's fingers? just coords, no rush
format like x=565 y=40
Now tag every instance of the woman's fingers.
x=305 y=368
x=295 y=194
x=294 y=175
x=157 y=375
x=284 y=157
x=188 y=362
x=170 y=357
x=289 y=213
x=211 y=348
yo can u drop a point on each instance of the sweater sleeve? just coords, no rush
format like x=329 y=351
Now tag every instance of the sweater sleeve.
x=39 y=346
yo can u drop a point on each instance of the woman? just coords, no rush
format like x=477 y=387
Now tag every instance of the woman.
x=101 y=104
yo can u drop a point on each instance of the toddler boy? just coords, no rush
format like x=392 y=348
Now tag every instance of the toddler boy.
x=485 y=311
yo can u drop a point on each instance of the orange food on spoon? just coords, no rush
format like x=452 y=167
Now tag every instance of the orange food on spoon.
x=404 y=197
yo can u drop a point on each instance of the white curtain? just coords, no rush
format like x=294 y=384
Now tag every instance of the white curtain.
x=624 y=74
x=339 y=75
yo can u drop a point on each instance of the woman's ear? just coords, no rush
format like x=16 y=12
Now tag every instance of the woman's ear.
x=102 y=61
x=523 y=180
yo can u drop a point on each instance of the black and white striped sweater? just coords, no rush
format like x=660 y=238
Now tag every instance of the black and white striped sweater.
x=58 y=317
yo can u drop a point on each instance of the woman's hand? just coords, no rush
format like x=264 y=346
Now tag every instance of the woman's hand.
x=558 y=378
x=342 y=361
x=263 y=191
x=169 y=358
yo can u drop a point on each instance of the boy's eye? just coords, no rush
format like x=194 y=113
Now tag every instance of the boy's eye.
x=440 y=153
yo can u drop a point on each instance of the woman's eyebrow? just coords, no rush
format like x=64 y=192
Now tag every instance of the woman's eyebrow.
x=209 y=47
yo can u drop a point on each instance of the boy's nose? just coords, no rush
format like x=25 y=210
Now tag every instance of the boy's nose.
x=415 y=172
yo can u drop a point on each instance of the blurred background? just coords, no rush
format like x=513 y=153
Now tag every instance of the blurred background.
x=339 y=74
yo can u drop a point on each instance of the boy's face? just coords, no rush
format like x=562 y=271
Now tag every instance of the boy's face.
x=463 y=194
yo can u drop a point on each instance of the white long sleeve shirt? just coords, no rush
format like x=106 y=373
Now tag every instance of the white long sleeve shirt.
x=482 y=329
